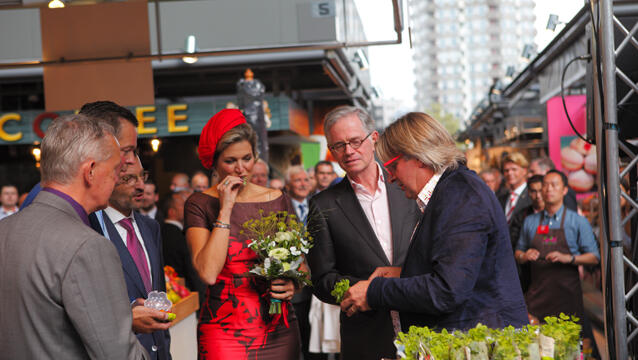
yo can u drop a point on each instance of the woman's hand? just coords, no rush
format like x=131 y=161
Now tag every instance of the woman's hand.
x=228 y=190
x=282 y=289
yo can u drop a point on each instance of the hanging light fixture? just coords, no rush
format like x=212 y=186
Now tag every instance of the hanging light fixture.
x=56 y=4
x=155 y=144
x=36 y=153
x=190 y=48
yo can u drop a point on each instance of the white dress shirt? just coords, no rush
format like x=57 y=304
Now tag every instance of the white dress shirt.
x=115 y=217
x=377 y=210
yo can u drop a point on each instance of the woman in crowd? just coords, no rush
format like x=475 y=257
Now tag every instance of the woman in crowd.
x=234 y=321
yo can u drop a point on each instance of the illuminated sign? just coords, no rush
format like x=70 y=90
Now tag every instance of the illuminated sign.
x=159 y=120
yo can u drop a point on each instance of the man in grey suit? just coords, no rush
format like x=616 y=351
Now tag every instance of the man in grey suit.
x=61 y=281
x=360 y=224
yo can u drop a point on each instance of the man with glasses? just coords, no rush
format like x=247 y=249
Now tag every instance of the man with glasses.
x=358 y=225
x=137 y=240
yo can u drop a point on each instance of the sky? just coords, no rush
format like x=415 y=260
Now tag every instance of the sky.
x=391 y=66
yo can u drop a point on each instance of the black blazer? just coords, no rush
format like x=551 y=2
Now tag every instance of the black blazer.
x=523 y=201
x=150 y=231
x=177 y=255
x=346 y=247
x=459 y=270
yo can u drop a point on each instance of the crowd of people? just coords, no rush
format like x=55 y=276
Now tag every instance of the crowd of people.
x=422 y=240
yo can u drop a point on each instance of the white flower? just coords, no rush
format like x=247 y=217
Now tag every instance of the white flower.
x=304 y=250
x=284 y=236
x=304 y=242
x=266 y=264
x=272 y=244
x=286 y=266
x=294 y=251
x=279 y=253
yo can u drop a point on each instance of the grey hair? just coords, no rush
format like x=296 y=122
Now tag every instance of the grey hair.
x=544 y=162
x=261 y=161
x=294 y=170
x=69 y=141
x=344 y=110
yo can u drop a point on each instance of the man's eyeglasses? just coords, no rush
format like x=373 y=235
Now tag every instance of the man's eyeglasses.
x=354 y=143
x=131 y=179
x=390 y=165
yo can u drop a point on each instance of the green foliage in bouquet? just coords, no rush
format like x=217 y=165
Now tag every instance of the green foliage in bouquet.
x=280 y=241
x=565 y=331
x=340 y=289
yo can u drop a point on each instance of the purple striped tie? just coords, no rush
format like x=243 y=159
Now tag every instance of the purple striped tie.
x=137 y=253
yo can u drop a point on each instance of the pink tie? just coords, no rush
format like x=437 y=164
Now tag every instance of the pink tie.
x=512 y=205
x=137 y=253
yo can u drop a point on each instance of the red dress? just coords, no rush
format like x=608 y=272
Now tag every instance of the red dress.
x=234 y=322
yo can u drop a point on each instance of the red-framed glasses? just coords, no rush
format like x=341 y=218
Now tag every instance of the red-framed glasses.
x=388 y=165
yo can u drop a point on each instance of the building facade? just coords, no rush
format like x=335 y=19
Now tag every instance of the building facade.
x=462 y=46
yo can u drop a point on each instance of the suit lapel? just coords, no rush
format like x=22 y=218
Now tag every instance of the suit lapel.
x=522 y=202
x=151 y=248
x=401 y=216
x=128 y=265
x=349 y=204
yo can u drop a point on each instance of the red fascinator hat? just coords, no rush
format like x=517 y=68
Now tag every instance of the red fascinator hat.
x=215 y=128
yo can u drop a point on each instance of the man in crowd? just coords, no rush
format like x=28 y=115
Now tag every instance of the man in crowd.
x=362 y=223
x=148 y=202
x=260 y=172
x=174 y=247
x=62 y=285
x=298 y=188
x=138 y=243
x=555 y=242
x=515 y=172
x=490 y=179
x=8 y=200
x=540 y=166
x=324 y=175
x=277 y=183
x=180 y=182
x=534 y=190
x=199 y=181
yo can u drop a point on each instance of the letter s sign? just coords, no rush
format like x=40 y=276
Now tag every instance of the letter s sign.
x=322 y=9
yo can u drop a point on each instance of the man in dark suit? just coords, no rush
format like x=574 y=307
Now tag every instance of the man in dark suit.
x=459 y=270
x=515 y=172
x=358 y=225
x=138 y=242
x=148 y=203
x=174 y=246
x=62 y=284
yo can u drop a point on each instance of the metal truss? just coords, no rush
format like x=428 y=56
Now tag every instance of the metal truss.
x=620 y=271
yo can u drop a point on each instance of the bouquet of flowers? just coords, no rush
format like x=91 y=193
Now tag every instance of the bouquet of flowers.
x=280 y=241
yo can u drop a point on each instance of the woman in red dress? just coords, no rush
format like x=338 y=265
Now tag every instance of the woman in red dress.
x=234 y=322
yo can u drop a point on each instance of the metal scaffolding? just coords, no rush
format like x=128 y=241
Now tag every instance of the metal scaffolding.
x=619 y=270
